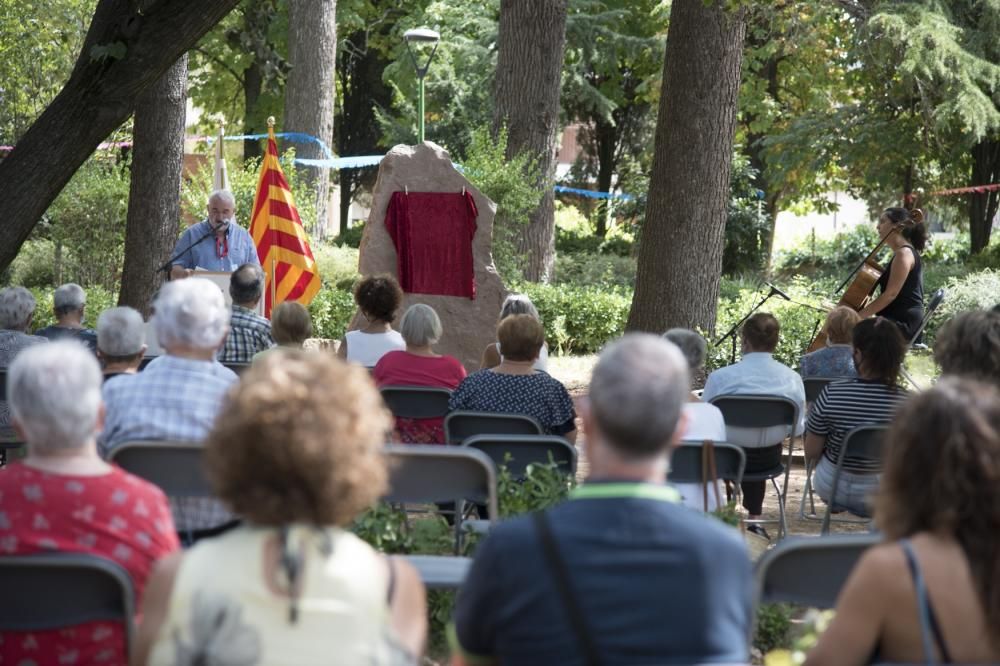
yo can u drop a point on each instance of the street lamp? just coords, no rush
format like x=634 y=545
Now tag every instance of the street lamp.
x=421 y=36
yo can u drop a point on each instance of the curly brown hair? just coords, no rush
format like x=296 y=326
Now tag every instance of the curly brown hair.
x=969 y=345
x=942 y=471
x=378 y=297
x=299 y=440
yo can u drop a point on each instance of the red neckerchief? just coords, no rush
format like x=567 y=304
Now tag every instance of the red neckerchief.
x=222 y=245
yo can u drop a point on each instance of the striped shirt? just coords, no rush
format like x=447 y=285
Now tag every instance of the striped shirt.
x=845 y=405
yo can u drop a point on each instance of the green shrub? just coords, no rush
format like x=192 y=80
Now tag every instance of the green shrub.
x=945 y=250
x=843 y=251
x=337 y=263
x=331 y=312
x=542 y=486
x=988 y=258
x=774 y=625
x=581 y=269
x=351 y=237
x=579 y=320
x=34 y=265
x=580 y=241
x=974 y=291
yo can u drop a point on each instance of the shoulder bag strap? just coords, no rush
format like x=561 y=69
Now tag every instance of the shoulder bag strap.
x=561 y=580
x=929 y=626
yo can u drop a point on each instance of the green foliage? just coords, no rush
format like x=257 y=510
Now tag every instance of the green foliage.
x=579 y=320
x=975 y=291
x=543 y=485
x=508 y=183
x=34 y=265
x=98 y=300
x=581 y=269
x=87 y=225
x=39 y=43
x=746 y=226
x=729 y=514
x=575 y=240
x=843 y=251
x=331 y=311
x=774 y=624
x=337 y=264
x=351 y=237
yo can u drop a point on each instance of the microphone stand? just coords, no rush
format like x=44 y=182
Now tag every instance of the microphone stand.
x=166 y=266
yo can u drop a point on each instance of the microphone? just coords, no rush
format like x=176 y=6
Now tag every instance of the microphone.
x=777 y=292
x=166 y=266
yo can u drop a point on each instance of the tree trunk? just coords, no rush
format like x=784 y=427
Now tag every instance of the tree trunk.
x=253 y=84
x=680 y=250
x=606 y=138
x=983 y=206
x=154 y=191
x=126 y=51
x=309 y=89
x=530 y=49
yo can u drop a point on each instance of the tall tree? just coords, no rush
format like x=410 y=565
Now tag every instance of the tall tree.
x=127 y=49
x=680 y=250
x=530 y=50
x=309 y=88
x=983 y=205
x=154 y=191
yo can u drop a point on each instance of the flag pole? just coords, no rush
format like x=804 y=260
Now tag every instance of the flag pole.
x=270 y=224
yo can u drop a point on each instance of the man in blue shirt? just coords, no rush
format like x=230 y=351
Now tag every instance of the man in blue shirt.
x=622 y=573
x=216 y=243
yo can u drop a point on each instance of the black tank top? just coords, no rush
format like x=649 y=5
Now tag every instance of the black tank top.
x=908 y=307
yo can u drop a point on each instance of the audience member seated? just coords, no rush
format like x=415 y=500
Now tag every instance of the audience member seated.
x=249 y=333
x=63 y=498
x=651 y=581
x=378 y=298
x=871 y=399
x=515 y=386
x=939 y=512
x=969 y=345
x=703 y=421
x=68 y=303
x=758 y=373
x=177 y=396
x=291 y=326
x=512 y=305
x=121 y=341
x=295 y=586
x=837 y=358
x=17 y=309
x=419 y=365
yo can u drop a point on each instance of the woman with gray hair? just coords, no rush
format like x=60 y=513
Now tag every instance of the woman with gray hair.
x=17 y=309
x=63 y=497
x=419 y=365
x=515 y=304
x=704 y=420
x=121 y=341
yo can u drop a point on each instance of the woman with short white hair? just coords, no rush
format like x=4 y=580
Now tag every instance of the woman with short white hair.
x=17 y=309
x=419 y=365
x=63 y=497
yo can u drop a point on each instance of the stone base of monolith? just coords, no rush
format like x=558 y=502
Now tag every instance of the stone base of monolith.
x=469 y=325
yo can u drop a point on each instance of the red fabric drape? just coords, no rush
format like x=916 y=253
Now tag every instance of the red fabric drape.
x=433 y=233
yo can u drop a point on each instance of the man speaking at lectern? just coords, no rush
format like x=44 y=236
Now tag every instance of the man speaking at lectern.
x=216 y=243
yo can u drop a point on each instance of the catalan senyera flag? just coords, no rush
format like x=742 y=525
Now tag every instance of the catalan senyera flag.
x=282 y=243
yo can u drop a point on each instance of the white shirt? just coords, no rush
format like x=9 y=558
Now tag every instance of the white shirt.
x=704 y=421
x=367 y=348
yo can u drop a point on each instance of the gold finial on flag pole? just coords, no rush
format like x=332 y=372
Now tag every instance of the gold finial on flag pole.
x=270 y=121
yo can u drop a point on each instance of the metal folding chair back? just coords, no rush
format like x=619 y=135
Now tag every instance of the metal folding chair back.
x=55 y=590
x=809 y=571
x=686 y=465
x=427 y=473
x=441 y=572
x=815 y=385
x=524 y=450
x=3 y=384
x=867 y=441
x=416 y=402
x=175 y=467
x=936 y=299
x=460 y=425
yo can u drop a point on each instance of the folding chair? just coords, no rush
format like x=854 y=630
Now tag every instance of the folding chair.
x=440 y=572
x=174 y=467
x=8 y=438
x=936 y=299
x=461 y=424
x=809 y=571
x=424 y=474
x=56 y=590
x=867 y=441
x=525 y=450
x=238 y=368
x=815 y=385
x=761 y=412
x=685 y=463
x=416 y=402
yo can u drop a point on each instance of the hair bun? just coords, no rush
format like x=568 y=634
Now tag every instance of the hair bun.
x=917 y=216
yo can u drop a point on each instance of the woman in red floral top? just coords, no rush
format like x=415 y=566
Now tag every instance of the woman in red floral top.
x=419 y=365
x=63 y=497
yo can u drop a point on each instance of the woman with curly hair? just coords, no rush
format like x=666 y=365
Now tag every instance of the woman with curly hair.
x=378 y=298
x=296 y=451
x=931 y=592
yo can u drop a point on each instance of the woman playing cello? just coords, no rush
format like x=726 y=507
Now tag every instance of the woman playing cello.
x=902 y=282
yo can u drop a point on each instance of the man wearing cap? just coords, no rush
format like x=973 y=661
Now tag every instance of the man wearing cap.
x=121 y=341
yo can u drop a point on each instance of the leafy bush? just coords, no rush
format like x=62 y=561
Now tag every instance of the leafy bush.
x=34 y=265
x=542 y=486
x=579 y=241
x=582 y=269
x=774 y=624
x=579 y=320
x=746 y=226
x=988 y=258
x=351 y=237
x=331 y=312
x=337 y=264
x=945 y=250
x=844 y=250
x=974 y=291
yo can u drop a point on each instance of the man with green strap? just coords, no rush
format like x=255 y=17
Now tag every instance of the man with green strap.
x=621 y=573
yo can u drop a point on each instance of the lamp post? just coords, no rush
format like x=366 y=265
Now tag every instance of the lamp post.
x=413 y=37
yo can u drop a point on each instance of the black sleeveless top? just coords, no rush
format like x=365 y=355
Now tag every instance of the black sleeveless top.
x=907 y=310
